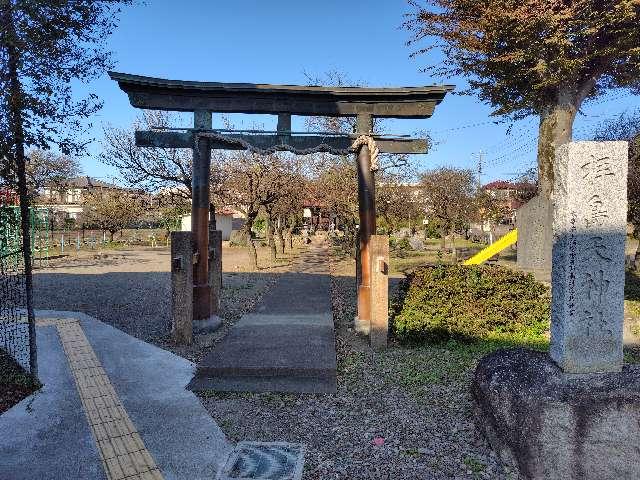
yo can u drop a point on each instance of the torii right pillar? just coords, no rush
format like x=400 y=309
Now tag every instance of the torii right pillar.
x=367 y=213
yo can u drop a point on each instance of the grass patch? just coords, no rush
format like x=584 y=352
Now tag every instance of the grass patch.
x=632 y=355
x=410 y=261
x=446 y=363
x=476 y=466
x=351 y=363
x=632 y=296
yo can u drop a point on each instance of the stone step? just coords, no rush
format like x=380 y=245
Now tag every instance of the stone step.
x=264 y=384
x=273 y=350
x=287 y=344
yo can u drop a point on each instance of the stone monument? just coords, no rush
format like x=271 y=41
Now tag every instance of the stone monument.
x=573 y=413
x=589 y=232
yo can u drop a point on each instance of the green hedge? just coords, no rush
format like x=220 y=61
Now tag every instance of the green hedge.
x=454 y=301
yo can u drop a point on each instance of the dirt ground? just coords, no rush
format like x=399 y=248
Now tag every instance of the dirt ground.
x=130 y=289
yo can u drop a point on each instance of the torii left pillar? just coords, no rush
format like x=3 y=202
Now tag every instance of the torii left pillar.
x=200 y=217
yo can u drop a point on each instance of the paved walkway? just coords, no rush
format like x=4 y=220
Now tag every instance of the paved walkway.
x=287 y=344
x=112 y=407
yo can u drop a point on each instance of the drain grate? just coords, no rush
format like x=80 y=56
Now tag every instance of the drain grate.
x=264 y=461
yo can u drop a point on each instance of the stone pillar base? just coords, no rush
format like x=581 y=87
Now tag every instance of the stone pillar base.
x=215 y=269
x=362 y=327
x=208 y=325
x=551 y=425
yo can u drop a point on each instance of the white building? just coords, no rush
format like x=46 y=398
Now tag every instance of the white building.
x=224 y=223
x=67 y=202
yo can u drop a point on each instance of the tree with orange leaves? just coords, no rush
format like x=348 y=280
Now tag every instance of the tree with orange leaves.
x=534 y=57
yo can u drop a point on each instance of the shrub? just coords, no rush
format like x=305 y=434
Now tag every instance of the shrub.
x=432 y=230
x=260 y=226
x=402 y=244
x=440 y=302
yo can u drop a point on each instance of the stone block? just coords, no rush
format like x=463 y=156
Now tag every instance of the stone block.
x=556 y=426
x=535 y=238
x=589 y=231
x=361 y=326
x=379 y=325
x=182 y=287
x=416 y=243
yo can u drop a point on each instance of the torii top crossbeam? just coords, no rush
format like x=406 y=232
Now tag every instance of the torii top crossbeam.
x=187 y=96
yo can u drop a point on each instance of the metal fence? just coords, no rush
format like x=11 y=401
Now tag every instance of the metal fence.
x=15 y=334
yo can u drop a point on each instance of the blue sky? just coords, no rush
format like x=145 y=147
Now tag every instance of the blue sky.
x=277 y=41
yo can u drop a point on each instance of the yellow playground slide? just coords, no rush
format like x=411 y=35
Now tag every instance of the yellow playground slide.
x=496 y=247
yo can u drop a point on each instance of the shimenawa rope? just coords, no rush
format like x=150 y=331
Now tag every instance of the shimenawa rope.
x=359 y=142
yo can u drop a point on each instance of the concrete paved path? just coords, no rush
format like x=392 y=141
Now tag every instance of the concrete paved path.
x=287 y=344
x=112 y=407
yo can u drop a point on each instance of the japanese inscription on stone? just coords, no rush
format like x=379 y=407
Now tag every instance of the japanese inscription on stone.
x=589 y=226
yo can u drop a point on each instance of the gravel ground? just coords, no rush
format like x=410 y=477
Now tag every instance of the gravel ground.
x=130 y=289
x=400 y=414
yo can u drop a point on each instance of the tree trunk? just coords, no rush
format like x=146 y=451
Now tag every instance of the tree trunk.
x=280 y=241
x=251 y=248
x=290 y=237
x=212 y=217
x=270 y=239
x=279 y=236
x=253 y=254
x=269 y=231
x=556 y=128
x=443 y=237
x=454 y=250
x=16 y=126
x=112 y=234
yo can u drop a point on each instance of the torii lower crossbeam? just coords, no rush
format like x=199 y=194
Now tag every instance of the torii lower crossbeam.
x=168 y=139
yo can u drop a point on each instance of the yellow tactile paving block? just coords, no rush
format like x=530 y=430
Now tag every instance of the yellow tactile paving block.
x=122 y=451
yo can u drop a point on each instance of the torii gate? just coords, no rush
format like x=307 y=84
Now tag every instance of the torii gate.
x=205 y=98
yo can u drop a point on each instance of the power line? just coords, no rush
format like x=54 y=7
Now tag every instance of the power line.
x=511 y=137
x=464 y=127
x=509 y=152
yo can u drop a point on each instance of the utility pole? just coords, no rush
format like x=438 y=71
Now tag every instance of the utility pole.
x=479 y=157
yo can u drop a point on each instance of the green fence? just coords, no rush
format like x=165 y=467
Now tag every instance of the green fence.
x=11 y=235
x=16 y=336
